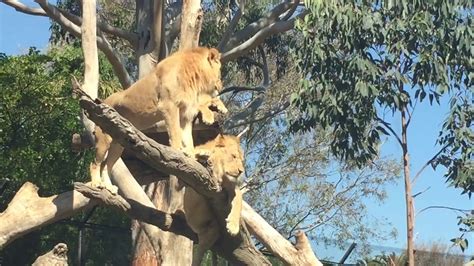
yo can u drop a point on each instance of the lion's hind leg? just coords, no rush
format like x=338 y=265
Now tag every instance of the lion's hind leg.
x=102 y=144
x=114 y=153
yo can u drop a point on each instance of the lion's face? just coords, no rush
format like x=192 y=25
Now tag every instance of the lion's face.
x=225 y=156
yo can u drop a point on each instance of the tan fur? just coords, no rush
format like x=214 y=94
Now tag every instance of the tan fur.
x=171 y=93
x=225 y=157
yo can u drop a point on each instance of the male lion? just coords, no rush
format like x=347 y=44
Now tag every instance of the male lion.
x=170 y=92
x=224 y=157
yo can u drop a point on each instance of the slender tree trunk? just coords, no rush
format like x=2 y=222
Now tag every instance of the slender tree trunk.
x=408 y=193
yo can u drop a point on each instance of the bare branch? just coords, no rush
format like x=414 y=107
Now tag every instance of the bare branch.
x=428 y=163
x=20 y=7
x=292 y=10
x=242 y=119
x=446 y=208
x=91 y=59
x=233 y=23
x=135 y=210
x=259 y=37
x=41 y=210
x=387 y=126
x=236 y=89
x=300 y=254
x=191 y=22
x=131 y=37
x=89 y=48
x=258 y=25
x=117 y=65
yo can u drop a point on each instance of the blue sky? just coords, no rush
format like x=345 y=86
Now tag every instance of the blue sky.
x=20 y=31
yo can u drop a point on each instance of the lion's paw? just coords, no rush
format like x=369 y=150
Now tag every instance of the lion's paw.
x=219 y=106
x=222 y=109
x=232 y=227
x=207 y=118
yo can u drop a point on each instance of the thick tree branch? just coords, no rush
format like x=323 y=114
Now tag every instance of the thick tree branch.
x=28 y=211
x=300 y=254
x=135 y=210
x=20 y=7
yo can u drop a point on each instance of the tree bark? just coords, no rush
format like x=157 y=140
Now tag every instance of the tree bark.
x=91 y=59
x=408 y=192
x=28 y=211
x=191 y=21
x=166 y=194
x=299 y=254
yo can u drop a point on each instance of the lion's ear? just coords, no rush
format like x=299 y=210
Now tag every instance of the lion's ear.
x=214 y=55
x=220 y=141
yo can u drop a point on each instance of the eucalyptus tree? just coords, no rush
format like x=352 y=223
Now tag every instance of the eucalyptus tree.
x=360 y=58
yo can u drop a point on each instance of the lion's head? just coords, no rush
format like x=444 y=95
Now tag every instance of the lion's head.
x=224 y=156
x=211 y=68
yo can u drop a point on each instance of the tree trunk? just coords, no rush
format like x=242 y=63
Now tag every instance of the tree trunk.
x=191 y=21
x=164 y=194
x=408 y=193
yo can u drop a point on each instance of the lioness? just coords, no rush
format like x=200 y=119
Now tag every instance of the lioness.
x=225 y=157
x=171 y=93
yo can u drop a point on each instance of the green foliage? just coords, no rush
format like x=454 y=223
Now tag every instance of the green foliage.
x=467 y=227
x=37 y=119
x=358 y=58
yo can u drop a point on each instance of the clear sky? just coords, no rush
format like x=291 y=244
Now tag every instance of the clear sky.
x=20 y=31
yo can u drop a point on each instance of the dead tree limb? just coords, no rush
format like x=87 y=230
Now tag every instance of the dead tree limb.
x=135 y=210
x=28 y=211
x=299 y=254
x=107 y=28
